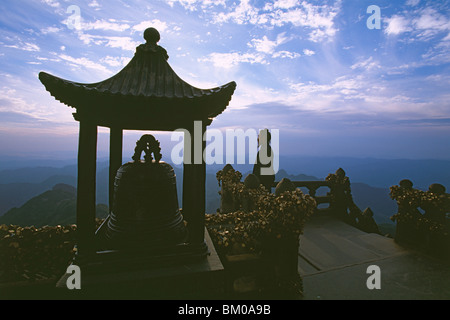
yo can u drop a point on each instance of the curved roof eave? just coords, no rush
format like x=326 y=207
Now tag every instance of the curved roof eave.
x=148 y=84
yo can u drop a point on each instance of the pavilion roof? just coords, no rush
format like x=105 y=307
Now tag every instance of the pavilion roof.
x=145 y=94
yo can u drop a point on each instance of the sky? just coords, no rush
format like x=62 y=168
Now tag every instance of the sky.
x=321 y=72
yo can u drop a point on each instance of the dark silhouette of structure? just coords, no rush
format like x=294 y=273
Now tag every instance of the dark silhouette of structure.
x=145 y=95
x=263 y=167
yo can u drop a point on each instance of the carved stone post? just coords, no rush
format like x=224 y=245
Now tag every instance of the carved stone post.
x=281 y=254
x=227 y=203
x=251 y=182
x=437 y=238
x=366 y=222
x=407 y=230
x=341 y=197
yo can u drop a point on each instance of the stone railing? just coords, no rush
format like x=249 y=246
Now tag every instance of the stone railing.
x=338 y=197
x=422 y=218
x=258 y=231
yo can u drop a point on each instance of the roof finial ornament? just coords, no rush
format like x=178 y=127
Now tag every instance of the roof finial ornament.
x=151 y=35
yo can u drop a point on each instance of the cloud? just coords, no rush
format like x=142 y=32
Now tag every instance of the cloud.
x=232 y=59
x=286 y=54
x=122 y=42
x=285 y=4
x=397 y=25
x=243 y=13
x=436 y=122
x=161 y=26
x=430 y=22
x=87 y=64
x=194 y=5
x=52 y=3
x=11 y=101
x=50 y=30
x=25 y=46
x=20 y=101
x=308 y=52
x=263 y=45
x=104 y=25
x=268 y=46
x=94 y=4
x=318 y=20
x=412 y=2
x=99 y=32
x=435 y=56
x=363 y=94
x=426 y=25
x=367 y=64
x=446 y=38
x=423 y=24
x=264 y=50
x=115 y=61
x=48 y=59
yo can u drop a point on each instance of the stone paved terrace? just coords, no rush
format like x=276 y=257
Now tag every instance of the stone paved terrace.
x=333 y=261
x=334 y=257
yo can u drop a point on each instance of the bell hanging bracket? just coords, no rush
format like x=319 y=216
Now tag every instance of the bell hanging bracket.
x=149 y=145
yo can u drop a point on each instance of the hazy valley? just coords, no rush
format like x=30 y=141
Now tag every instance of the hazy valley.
x=47 y=195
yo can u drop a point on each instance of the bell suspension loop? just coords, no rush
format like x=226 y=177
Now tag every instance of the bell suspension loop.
x=149 y=145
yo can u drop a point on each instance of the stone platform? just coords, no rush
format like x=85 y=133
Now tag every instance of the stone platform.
x=202 y=279
x=334 y=257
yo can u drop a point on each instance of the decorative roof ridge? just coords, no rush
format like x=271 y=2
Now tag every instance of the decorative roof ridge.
x=147 y=86
x=152 y=48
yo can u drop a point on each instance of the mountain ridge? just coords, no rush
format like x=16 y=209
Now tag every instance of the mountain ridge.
x=14 y=192
x=56 y=206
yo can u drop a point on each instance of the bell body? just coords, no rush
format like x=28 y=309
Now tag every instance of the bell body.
x=145 y=212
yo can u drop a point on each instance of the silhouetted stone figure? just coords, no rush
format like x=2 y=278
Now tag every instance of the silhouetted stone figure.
x=263 y=167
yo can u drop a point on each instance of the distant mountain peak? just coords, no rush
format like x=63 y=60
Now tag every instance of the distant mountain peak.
x=65 y=188
x=298 y=177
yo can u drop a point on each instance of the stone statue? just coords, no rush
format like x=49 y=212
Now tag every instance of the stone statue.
x=263 y=167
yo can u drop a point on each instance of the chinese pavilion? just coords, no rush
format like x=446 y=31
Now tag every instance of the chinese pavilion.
x=145 y=95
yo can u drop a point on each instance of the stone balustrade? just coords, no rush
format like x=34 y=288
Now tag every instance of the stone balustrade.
x=422 y=219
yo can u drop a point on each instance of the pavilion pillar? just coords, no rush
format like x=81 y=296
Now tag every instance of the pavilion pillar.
x=115 y=159
x=86 y=193
x=194 y=179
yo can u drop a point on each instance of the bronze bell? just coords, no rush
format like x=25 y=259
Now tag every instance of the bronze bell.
x=145 y=212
